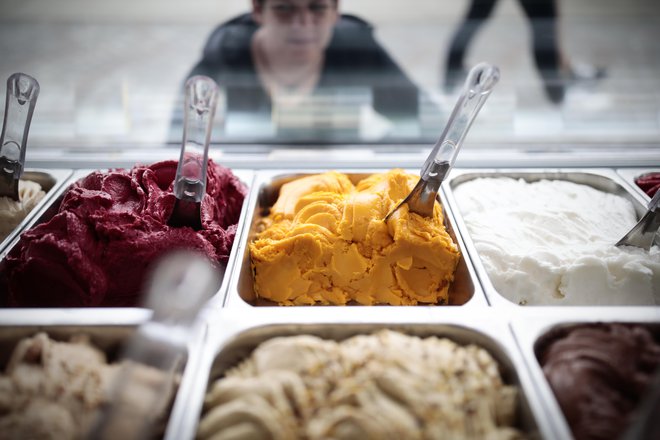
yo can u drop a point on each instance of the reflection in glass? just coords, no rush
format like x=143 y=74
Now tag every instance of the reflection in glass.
x=306 y=73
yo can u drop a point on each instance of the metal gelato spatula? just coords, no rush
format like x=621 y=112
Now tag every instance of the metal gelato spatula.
x=180 y=286
x=643 y=234
x=22 y=93
x=190 y=181
x=480 y=81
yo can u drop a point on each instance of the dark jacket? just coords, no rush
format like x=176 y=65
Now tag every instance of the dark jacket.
x=353 y=59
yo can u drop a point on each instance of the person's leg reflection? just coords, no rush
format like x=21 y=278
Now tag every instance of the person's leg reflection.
x=542 y=15
x=478 y=12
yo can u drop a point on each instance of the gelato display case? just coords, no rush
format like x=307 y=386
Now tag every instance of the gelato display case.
x=242 y=291
x=535 y=232
x=236 y=321
x=520 y=247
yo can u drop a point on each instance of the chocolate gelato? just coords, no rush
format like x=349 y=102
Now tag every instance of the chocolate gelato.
x=599 y=373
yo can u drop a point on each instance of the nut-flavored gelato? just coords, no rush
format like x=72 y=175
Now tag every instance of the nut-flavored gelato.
x=110 y=229
x=649 y=183
x=325 y=242
x=12 y=212
x=384 y=385
x=599 y=374
x=551 y=242
x=55 y=390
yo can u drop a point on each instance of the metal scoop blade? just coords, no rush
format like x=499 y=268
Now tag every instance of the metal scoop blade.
x=644 y=233
x=479 y=83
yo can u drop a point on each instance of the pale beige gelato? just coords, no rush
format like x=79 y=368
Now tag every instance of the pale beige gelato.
x=54 y=390
x=380 y=386
x=12 y=212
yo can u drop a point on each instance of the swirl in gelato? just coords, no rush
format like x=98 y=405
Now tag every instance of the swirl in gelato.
x=54 y=389
x=384 y=385
x=110 y=229
x=552 y=242
x=599 y=374
x=325 y=242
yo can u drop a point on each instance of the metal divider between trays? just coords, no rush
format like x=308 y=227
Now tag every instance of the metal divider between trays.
x=219 y=299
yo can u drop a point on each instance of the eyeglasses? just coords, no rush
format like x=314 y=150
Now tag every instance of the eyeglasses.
x=287 y=10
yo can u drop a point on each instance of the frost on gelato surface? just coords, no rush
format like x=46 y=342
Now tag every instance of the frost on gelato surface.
x=552 y=242
x=110 y=229
x=325 y=242
x=384 y=385
x=55 y=390
x=599 y=374
x=12 y=212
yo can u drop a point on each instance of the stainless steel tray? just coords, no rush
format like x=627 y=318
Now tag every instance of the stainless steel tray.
x=629 y=175
x=50 y=180
x=247 y=177
x=535 y=323
x=606 y=180
x=233 y=334
x=50 y=208
x=107 y=328
x=464 y=289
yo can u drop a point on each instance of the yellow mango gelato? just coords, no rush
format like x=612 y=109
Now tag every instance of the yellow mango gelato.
x=325 y=242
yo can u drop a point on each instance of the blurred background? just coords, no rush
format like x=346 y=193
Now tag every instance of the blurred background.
x=111 y=74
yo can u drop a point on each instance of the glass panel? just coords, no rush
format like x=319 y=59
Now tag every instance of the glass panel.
x=112 y=73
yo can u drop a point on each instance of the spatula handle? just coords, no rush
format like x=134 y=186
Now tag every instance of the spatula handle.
x=478 y=85
x=201 y=100
x=22 y=93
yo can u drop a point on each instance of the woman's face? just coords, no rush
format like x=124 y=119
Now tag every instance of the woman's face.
x=300 y=28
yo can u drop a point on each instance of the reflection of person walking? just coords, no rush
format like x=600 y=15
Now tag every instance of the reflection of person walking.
x=542 y=15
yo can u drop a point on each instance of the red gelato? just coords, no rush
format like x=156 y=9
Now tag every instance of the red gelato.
x=110 y=228
x=649 y=183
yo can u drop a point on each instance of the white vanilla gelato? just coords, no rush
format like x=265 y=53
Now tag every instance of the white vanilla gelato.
x=12 y=212
x=551 y=242
x=379 y=386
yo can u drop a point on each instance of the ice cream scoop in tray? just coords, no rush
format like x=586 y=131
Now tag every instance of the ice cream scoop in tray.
x=58 y=261
x=604 y=180
x=241 y=291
